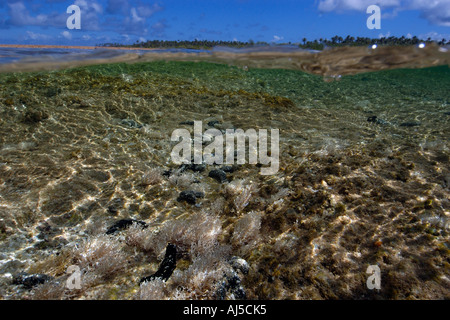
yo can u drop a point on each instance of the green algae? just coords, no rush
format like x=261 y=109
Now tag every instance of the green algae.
x=351 y=182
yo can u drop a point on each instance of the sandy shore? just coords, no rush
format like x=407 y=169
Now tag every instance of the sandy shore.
x=32 y=46
x=52 y=65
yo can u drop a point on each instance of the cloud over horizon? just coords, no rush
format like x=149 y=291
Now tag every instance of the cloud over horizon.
x=437 y=12
x=131 y=16
x=119 y=21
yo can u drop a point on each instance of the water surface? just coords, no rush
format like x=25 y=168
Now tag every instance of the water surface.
x=364 y=174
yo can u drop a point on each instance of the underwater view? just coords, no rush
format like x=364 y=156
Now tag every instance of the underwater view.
x=290 y=166
x=88 y=183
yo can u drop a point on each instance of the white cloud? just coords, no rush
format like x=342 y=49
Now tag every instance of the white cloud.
x=20 y=16
x=36 y=36
x=91 y=5
x=158 y=28
x=135 y=17
x=434 y=36
x=123 y=16
x=435 y=11
x=90 y=13
x=66 y=34
x=126 y=37
x=148 y=11
x=359 y=5
x=277 y=38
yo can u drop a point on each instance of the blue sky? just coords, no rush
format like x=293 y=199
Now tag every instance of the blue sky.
x=125 y=21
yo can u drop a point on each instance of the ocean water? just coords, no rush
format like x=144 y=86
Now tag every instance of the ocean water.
x=363 y=177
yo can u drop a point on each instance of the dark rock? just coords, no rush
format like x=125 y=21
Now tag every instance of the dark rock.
x=219 y=175
x=376 y=120
x=372 y=119
x=190 y=196
x=51 y=92
x=30 y=280
x=167 y=173
x=197 y=167
x=213 y=123
x=409 y=124
x=447 y=113
x=234 y=281
x=113 y=210
x=228 y=169
x=231 y=285
x=239 y=264
x=239 y=293
x=123 y=224
x=130 y=123
x=190 y=123
x=166 y=267
x=193 y=166
x=221 y=292
x=34 y=116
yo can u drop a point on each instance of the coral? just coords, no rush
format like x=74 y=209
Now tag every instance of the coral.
x=281 y=194
x=200 y=281
x=182 y=179
x=194 y=234
x=101 y=256
x=49 y=291
x=123 y=224
x=246 y=233
x=157 y=289
x=240 y=193
x=151 y=177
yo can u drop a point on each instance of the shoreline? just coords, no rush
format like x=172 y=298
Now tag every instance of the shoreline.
x=44 y=46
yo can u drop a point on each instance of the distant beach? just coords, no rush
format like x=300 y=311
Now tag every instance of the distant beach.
x=33 y=46
x=62 y=56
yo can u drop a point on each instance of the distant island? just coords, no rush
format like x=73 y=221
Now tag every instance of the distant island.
x=318 y=44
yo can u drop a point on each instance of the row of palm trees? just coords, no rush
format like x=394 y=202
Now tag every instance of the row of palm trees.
x=317 y=44
x=337 y=41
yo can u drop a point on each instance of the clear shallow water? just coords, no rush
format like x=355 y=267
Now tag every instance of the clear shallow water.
x=35 y=56
x=363 y=180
